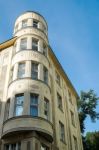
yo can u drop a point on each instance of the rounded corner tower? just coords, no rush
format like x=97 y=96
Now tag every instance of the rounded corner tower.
x=38 y=108
x=29 y=89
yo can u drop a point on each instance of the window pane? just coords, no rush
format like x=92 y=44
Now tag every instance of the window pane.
x=24 y=23
x=21 y=70
x=19 y=104
x=34 y=71
x=62 y=132
x=46 y=108
x=23 y=44
x=45 y=75
x=35 y=24
x=34 y=111
x=59 y=101
x=44 y=49
x=33 y=104
x=34 y=44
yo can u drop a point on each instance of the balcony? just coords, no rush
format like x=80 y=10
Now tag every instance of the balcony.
x=22 y=124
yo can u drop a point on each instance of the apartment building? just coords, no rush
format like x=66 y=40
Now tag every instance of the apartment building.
x=38 y=103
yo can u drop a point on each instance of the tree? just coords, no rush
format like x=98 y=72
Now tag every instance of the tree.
x=87 y=107
x=92 y=141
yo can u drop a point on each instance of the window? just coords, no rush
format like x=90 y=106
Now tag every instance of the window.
x=45 y=73
x=62 y=132
x=24 y=23
x=34 y=44
x=7 y=107
x=46 y=108
x=70 y=97
x=15 y=146
x=44 y=147
x=59 y=99
x=35 y=23
x=19 y=99
x=34 y=71
x=44 y=49
x=23 y=44
x=21 y=70
x=72 y=118
x=58 y=78
x=33 y=104
x=75 y=143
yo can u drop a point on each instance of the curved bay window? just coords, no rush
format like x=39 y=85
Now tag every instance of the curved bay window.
x=19 y=100
x=33 y=104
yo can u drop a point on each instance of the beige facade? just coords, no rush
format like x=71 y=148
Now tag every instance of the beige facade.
x=38 y=108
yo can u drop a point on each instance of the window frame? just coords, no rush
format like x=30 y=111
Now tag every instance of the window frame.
x=62 y=131
x=24 y=23
x=35 y=24
x=59 y=100
x=21 y=70
x=45 y=75
x=36 y=44
x=34 y=71
x=34 y=105
x=23 y=43
x=18 y=105
x=46 y=108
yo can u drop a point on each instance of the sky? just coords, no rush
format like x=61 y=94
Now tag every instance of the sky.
x=73 y=31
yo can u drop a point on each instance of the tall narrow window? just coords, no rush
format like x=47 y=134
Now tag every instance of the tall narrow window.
x=19 y=100
x=33 y=104
x=21 y=70
x=45 y=74
x=23 y=44
x=44 y=49
x=46 y=108
x=69 y=95
x=7 y=107
x=24 y=23
x=75 y=143
x=35 y=23
x=58 y=78
x=34 y=71
x=59 y=99
x=72 y=118
x=62 y=132
x=34 y=44
x=14 y=146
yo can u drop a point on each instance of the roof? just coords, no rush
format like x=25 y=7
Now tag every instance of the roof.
x=7 y=43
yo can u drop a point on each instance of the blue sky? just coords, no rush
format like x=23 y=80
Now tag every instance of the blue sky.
x=73 y=35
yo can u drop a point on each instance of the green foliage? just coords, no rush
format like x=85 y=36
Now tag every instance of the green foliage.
x=87 y=107
x=91 y=141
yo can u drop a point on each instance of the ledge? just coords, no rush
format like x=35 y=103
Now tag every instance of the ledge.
x=28 y=123
x=32 y=28
x=29 y=78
